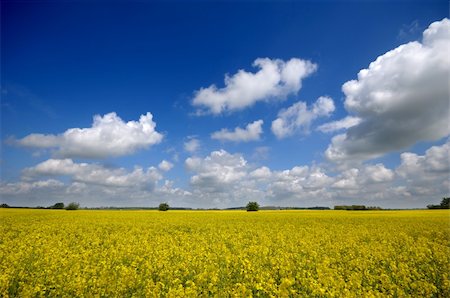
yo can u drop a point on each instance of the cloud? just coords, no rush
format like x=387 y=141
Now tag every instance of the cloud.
x=299 y=117
x=261 y=153
x=94 y=174
x=223 y=179
x=274 y=80
x=401 y=99
x=165 y=165
x=409 y=30
x=220 y=180
x=192 y=145
x=261 y=173
x=108 y=136
x=217 y=170
x=365 y=176
x=426 y=175
x=435 y=161
x=48 y=192
x=252 y=132
x=345 y=123
x=25 y=187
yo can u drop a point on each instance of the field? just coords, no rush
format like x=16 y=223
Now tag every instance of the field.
x=224 y=253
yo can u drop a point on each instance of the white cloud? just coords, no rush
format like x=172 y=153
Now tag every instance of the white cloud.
x=274 y=80
x=345 y=123
x=227 y=179
x=299 y=117
x=216 y=170
x=252 y=132
x=25 y=187
x=261 y=173
x=192 y=145
x=426 y=175
x=363 y=177
x=402 y=99
x=165 y=165
x=222 y=179
x=48 y=192
x=94 y=174
x=378 y=173
x=108 y=136
x=436 y=160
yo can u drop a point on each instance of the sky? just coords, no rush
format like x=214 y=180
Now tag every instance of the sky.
x=215 y=104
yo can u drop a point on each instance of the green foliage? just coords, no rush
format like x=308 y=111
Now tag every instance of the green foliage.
x=445 y=204
x=352 y=207
x=252 y=206
x=4 y=205
x=163 y=207
x=73 y=206
x=57 y=206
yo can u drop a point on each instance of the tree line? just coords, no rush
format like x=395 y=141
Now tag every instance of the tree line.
x=445 y=204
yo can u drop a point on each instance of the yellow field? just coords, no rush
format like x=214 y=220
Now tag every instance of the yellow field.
x=224 y=253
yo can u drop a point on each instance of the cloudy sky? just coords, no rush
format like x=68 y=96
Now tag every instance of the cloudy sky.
x=203 y=104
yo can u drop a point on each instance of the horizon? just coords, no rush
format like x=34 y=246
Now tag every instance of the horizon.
x=212 y=105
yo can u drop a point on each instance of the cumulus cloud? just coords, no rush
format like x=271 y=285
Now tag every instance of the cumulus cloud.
x=192 y=145
x=274 y=80
x=365 y=176
x=252 y=132
x=436 y=160
x=223 y=179
x=25 y=187
x=217 y=170
x=402 y=98
x=299 y=117
x=94 y=174
x=108 y=136
x=426 y=175
x=48 y=192
x=345 y=123
x=261 y=173
x=165 y=165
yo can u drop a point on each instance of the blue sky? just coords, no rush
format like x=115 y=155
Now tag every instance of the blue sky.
x=64 y=63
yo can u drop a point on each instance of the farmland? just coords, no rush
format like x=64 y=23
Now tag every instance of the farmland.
x=224 y=253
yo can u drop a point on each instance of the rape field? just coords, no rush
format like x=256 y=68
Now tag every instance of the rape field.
x=224 y=253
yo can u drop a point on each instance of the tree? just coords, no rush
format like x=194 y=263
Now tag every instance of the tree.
x=445 y=204
x=252 y=206
x=163 y=207
x=73 y=206
x=4 y=205
x=57 y=206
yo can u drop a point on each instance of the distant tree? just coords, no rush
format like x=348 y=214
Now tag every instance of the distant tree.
x=4 y=205
x=163 y=207
x=57 y=206
x=374 y=208
x=445 y=204
x=352 y=207
x=340 y=207
x=73 y=206
x=358 y=207
x=252 y=206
